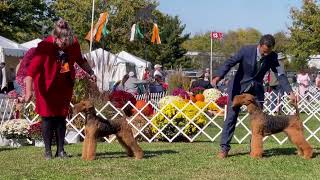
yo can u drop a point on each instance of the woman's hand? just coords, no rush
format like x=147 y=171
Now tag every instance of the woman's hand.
x=27 y=96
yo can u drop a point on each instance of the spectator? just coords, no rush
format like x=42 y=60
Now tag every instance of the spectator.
x=318 y=81
x=159 y=72
x=22 y=71
x=203 y=81
x=2 y=65
x=146 y=75
x=303 y=81
x=158 y=85
x=120 y=84
x=131 y=85
x=11 y=78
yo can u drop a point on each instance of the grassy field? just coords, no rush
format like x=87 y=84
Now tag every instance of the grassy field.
x=162 y=161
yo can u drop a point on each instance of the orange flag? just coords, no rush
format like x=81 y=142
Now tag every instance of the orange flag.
x=155 y=34
x=97 y=30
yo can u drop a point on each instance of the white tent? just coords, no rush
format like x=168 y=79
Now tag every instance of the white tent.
x=108 y=67
x=31 y=44
x=10 y=52
x=140 y=64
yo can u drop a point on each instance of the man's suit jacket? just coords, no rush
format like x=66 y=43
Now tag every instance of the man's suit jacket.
x=248 y=73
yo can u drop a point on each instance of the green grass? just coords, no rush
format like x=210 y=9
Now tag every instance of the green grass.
x=162 y=161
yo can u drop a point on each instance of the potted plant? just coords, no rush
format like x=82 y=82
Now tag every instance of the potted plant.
x=35 y=134
x=16 y=130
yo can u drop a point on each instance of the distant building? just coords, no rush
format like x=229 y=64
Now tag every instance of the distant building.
x=314 y=61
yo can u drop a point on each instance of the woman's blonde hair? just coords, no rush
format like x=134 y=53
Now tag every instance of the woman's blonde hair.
x=63 y=31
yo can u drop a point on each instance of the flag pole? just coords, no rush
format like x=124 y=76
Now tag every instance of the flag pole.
x=91 y=33
x=211 y=57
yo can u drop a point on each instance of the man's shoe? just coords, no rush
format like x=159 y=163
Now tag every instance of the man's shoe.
x=48 y=155
x=222 y=154
x=62 y=154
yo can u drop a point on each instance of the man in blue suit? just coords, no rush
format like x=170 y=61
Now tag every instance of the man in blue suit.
x=254 y=61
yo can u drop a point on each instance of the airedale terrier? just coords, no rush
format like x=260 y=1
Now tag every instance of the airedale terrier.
x=264 y=125
x=96 y=127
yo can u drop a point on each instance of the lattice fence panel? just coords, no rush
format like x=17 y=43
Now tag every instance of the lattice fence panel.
x=146 y=127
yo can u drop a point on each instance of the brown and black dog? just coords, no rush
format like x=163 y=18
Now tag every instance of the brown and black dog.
x=96 y=127
x=264 y=125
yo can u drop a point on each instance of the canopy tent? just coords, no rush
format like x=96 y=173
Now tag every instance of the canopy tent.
x=31 y=44
x=10 y=52
x=108 y=67
x=140 y=64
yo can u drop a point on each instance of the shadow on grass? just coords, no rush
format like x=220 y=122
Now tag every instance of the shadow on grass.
x=120 y=154
x=6 y=148
x=278 y=152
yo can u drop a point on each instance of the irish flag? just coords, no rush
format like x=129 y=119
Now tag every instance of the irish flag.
x=98 y=29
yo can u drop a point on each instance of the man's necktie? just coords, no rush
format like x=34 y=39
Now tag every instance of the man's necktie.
x=259 y=64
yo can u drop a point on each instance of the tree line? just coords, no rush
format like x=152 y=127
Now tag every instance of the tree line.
x=24 y=20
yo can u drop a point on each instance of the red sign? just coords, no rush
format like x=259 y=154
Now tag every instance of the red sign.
x=216 y=35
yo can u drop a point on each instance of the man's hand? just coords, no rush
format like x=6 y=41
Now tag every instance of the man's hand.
x=215 y=81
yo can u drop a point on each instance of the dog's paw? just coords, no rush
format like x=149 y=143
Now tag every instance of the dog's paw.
x=139 y=155
x=256 y=155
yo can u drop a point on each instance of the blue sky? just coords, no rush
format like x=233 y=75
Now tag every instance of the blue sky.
x=268 y=16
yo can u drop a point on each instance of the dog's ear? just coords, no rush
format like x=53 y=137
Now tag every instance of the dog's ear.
x=236 y=102
x=249 y=99
x=83 y=106
x=78 y=107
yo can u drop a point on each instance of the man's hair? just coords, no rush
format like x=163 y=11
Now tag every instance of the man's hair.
x=267 y=40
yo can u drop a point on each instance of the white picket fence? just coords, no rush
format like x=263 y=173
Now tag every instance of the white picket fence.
x=309 y=106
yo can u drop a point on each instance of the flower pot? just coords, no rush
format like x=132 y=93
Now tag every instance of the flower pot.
x=72 y=137
x=16 y=143
x=4 y=141
x=38 y=143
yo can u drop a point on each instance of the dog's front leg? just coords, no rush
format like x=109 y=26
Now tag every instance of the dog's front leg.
x=256 y=143
x=85 y=146
x=90 y=143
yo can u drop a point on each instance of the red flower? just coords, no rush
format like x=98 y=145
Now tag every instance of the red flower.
x=165 y=86
x=180 y=92
x=120 y=98
x=222 y=101
x=35 y=130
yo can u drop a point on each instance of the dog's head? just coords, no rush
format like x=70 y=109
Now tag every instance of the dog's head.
x=83 y=106
x=243 y=99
